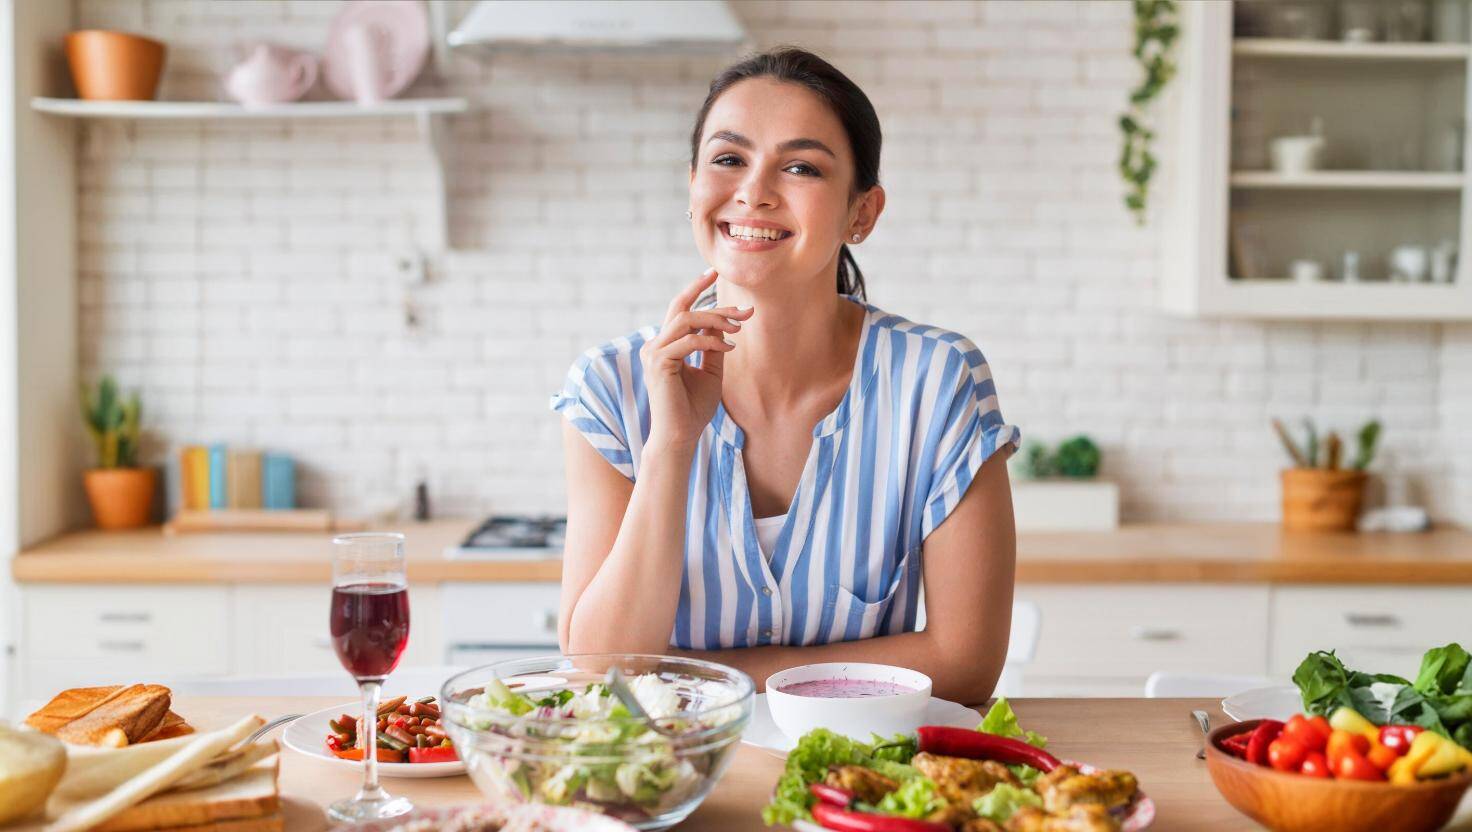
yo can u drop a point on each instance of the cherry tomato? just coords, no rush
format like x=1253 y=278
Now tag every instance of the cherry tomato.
x=1399 y=737
x=1315 y=765
x=1343 y=743
x=1354 y=766
x=1286 y=754
x=1381 y=757
x=1312 y=734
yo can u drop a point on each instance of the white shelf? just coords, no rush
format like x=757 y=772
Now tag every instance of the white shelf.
x=1286 y=299
x=428 y=113
x=1338 y=50
x=78 y=108
x=1349 y=180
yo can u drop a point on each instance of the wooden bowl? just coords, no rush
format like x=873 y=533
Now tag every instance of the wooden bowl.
x=114 y=66
x=1295 y=803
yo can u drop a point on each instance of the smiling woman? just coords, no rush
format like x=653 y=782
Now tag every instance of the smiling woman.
x=777 y=469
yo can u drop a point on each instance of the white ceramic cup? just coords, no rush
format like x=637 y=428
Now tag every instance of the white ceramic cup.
x=1409 y=263
x=1295 y=155
x=858 y=717
x=1306 y=271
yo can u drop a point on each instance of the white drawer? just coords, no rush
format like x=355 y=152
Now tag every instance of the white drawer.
x=501 y=614
x=1126 y=631
x=1373 y=629
x=110 y=633
x=281 y=630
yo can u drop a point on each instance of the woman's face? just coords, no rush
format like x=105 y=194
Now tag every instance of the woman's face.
x=774 y=160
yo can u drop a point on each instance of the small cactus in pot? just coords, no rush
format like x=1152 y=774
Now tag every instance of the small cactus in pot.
x=121 y=493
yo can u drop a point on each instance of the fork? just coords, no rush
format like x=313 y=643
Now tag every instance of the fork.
x=280 y=720
x=1205 y=725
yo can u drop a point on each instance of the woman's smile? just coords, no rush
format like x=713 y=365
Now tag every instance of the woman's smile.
x=752 y=235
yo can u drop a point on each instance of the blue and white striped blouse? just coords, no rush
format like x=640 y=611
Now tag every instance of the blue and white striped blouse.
x=886 y=467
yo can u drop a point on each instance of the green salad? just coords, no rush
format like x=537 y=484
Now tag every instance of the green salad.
x=583 y=747
x=1439 y=699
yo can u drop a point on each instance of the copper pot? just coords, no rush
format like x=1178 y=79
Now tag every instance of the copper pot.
x=1320 y=499
x=121 y=498
x=114 y=66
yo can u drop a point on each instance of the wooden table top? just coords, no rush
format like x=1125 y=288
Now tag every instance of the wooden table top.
x=1149 y=552
x=1154 y=738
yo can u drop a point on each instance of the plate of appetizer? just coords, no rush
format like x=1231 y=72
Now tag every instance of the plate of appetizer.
x=411 y=741
x=944 y=778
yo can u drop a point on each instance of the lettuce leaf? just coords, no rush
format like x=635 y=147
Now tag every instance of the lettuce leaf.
x=1439 y=700
x=1003 y=800
x=1002 y=721
x=917 y=798
x=818 y=749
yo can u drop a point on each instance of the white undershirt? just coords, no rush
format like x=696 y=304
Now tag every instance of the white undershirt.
x=767 y=529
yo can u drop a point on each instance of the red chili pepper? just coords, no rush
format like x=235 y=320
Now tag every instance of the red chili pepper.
x=832 y=794
x=977 y=745
x=1236 y=745
x=1262 y=736
x=831 y=817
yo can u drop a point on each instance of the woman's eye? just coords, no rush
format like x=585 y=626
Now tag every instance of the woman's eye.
x=722 y=160
x=803 y=169
x=800 y=168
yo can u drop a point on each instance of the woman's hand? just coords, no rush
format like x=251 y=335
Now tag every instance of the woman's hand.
x=682 y=398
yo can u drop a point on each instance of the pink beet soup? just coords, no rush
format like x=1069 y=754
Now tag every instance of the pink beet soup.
x=844 y=688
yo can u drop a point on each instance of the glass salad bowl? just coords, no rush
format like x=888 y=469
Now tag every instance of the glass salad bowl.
x=546 y=730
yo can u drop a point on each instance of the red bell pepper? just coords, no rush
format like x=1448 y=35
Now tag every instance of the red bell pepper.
x=385 y=755
x=1262 y=736
x=1399 y=737
x=829 y=816
x=977 y=745
x=433 y=754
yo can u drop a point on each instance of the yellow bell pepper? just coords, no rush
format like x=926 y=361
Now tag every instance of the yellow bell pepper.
x=1402 y=772
x=1433 y=755
x=1348 y=719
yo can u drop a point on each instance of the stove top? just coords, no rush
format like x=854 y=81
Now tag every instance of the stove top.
x=513 y=537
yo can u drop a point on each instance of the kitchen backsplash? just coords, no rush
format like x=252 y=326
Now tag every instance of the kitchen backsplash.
x=243 y=274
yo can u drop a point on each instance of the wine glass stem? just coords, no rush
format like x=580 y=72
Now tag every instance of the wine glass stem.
x=370 y=790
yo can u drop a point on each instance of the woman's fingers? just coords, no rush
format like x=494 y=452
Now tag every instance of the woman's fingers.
x=695 y=342
x=687 y=296
x=688 y=322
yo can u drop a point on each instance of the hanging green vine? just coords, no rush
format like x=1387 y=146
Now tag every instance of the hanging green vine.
x=1156 y=28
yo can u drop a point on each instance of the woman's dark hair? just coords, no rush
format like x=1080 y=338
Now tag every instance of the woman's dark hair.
x=848 y=102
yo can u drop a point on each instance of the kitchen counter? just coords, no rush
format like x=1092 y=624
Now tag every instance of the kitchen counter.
x=1154 y=738
x=1216 y=553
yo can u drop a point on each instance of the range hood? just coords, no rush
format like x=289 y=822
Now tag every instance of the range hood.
x=595 y=24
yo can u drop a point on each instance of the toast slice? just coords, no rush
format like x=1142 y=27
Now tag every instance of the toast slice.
x=244 y=804
x=124 y=718
x=70 y=705
x=172 y=726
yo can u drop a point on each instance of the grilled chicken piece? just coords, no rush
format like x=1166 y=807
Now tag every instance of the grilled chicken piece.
x=980 y=825
x=867 y=784
x=1065 y=786
x=1085 y=817
x=960 y=780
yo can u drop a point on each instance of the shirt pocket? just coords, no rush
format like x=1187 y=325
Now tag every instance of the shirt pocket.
x=857 y=616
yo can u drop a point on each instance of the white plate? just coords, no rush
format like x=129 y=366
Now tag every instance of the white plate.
x=763 y=733
x=308 y=736
x=1278 y=702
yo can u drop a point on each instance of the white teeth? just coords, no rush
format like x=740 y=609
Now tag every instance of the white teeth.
x=744 y=232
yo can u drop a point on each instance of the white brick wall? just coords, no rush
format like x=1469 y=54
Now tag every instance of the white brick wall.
x=242 y=274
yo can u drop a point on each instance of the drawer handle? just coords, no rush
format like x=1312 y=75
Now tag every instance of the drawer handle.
x=547 y=620
x=1372 y=619
x=125 y=617
x=121 y=646
x=1141 y=632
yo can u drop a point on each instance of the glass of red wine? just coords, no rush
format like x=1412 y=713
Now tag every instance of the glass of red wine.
x=370 y=626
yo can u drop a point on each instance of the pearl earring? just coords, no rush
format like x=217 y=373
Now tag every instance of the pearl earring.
x=689 y=215
x=856 y=238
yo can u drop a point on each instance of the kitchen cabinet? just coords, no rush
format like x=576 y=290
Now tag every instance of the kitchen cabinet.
x=1391 y=174
x=1377 y=629
x=1099 y=640
x=97 y=634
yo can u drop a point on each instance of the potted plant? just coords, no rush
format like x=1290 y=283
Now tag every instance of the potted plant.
x=1057 y=489
x=1319 y=495
x=121 y=493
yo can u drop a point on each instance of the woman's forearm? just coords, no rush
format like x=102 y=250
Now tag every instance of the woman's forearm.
x=629 y=605
x=954 y=675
